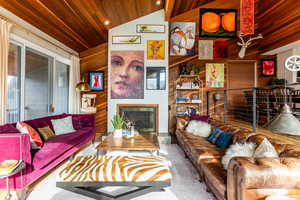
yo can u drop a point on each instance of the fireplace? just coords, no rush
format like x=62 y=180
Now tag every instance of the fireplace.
x=144 y=116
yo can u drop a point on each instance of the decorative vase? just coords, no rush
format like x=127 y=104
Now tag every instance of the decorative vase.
x=118 y=133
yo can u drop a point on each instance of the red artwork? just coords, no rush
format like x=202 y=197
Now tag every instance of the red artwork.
x=220 y=49
x=247 y=17
x=268 y=67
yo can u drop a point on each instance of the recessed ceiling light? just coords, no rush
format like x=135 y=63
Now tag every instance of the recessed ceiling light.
x=158 y=2
x=106 y=22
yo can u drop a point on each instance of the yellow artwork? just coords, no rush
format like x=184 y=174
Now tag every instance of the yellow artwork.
x=215 y=75
x=155 y=49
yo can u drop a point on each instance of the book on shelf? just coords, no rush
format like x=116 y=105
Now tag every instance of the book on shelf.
x=8 y=166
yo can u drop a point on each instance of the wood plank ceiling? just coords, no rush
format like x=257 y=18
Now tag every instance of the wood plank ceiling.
x=79 y=24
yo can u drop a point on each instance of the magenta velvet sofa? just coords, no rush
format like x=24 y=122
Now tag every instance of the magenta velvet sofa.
x=14 y=145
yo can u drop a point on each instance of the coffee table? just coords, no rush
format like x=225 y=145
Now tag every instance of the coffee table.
x=86 y=175
x=141 y=142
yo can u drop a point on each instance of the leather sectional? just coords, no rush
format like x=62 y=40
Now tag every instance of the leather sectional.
x=246 y=178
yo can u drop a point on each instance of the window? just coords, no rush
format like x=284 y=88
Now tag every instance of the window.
x=38 y=83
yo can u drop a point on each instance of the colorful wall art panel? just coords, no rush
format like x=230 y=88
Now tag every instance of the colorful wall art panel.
x=206 y=50
x=218 y=22
x=247 y=17
x=268 y=67
x=127 y=75
x=155 y=49
x=215 y=75
x=220 y=49
x=182 y=36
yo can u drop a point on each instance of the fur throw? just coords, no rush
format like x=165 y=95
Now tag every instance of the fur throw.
x=198 y=128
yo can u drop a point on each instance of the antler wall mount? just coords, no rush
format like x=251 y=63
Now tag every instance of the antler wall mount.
x=245 y=44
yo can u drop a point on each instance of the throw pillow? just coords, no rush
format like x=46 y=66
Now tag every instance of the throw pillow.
x=46 y=133
x=8 y=128
x=63 y=125
x=224 y=140
x=198 y=128
x=238 y=150
x=214 y=135
x=76 y=122
x=203 y=118
x=181 y=124
x=265 y=149
x=35 y=139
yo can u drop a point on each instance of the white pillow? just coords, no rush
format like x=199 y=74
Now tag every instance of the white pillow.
x=265 y=149
x=198 y=128
x=238 y=150
x=63 y=125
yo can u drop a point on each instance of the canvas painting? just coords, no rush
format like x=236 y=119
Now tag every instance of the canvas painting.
x=127 y=75
x=220 y=49
x=182 y=36
x=268 y=67
x=247 y=17
x=218 y=22
x=96 y=80
x=215 y=75
x=150 y=28
x=155 y=49
x=206 y=49
x=126 y=39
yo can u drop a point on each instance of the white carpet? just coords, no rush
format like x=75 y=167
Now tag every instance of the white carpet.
x=185 y=184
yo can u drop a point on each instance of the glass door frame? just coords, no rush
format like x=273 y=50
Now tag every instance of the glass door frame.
x=23 y=43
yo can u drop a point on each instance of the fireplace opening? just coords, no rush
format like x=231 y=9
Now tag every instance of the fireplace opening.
x=145 y=117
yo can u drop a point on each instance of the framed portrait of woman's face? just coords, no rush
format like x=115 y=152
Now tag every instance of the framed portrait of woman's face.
x=96 y=80
x=127 y=74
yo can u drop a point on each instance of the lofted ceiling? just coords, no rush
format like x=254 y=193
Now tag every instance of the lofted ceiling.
x=80 y=24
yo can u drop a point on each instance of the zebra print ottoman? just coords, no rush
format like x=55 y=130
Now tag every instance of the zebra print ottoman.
x=87 y=174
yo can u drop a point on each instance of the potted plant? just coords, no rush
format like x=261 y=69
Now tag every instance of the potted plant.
x=117 y=123
x=195 y=69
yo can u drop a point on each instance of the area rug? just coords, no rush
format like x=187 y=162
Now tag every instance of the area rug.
x=185 y=184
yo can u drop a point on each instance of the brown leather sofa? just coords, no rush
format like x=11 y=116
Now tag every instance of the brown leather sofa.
x=246 y=178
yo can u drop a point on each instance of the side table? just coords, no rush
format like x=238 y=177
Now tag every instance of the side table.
x=18 y=169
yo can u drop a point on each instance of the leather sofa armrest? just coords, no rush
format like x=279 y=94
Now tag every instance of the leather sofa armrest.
x=259 y=173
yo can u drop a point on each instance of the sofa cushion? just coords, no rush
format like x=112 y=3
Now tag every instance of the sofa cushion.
x=199 y=128
x=224 y=140
x=56 y=146
x=214 y=135
x=8 y=128
x=63 y=125
x=203 y=118
x=46 y=133
x=77 y=122
x=35 y=139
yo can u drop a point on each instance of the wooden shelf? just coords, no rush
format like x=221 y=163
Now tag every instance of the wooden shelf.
x=188 y=103
x=196 y=89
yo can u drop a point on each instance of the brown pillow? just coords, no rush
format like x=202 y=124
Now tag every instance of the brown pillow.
x=181 y=124
x=46 y=133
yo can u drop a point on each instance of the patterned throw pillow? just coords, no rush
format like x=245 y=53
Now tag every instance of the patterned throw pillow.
x=46 y=133
x=35 y=139
x=224 y=140
x=214 y=135
x=63 y=125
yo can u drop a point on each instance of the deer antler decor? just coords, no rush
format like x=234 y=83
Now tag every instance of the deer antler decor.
x=244 y=44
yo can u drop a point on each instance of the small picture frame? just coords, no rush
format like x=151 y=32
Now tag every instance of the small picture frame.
x=126 y=39
x=156 y=78
x=268 y=67
x=150 y=28
x=96 y=80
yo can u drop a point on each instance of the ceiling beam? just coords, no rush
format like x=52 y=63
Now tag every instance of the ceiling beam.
x=169 y=6
x=72 y=33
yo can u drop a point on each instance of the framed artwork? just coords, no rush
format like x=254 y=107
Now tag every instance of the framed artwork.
x=150 y=28
x=182 y=42
x=218 y=22
x=156 y=78
x=96 y=80
x=215 y=75
x=220 y=49
x=247 y=17
x=268 y=67
x=127 y=74
x=155 y=49
x=126 y=39
x=206 y=50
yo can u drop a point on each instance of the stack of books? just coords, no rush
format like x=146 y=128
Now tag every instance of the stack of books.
x=8 y=167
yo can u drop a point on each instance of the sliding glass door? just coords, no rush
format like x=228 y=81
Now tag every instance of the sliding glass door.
x=38 y=83
x=37 y=90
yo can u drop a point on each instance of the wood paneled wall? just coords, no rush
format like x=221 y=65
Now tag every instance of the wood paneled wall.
x=95 y=59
